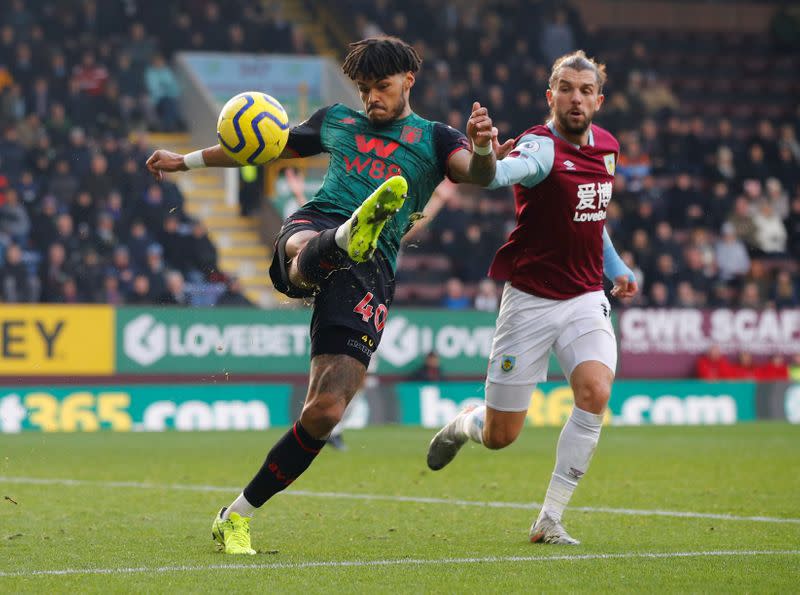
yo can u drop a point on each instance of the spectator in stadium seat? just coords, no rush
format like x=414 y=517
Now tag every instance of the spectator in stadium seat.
x=686 y=296
x=12 y=154
x=777 y=197
x=164 y=91
x=52 y=272
x=681 y=197
x=785 y=292
x=140 y=293
x=121 y=269
x=712 y=365
x=430 y=370
x=642 y=249
x=89 y=277
x=742 y=221
x=755 y=166
x=793 y=228
x=66 y=236
x=455 y=297
x=138 y=242
x=154 y=269
x=665 y=242
x=557 y=38
x=175 y=244
x=175 y=294
x=744 y=367
x=486 y=299
x=62 y=183
x=233 y=296
x=666 y=272
x=750 y=296
x=83 y=209
x=15 y=282
x=723 y=296
x=634 y=164
x=787 y=168
x=69 y=292
x=139 y=46
x=733 y=262
x=202 y=251
x=774 y=370
x=659 y=295
x=14 y=219
x=111 y=293
x=770 y=233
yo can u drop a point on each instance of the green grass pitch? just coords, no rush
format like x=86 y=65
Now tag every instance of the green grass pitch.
x=137 y=516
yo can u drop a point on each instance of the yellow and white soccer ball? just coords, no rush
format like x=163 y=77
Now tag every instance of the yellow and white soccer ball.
x=253 y=128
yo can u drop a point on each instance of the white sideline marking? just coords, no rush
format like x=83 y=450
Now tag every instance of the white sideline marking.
x=397 y=562
x=390 y=498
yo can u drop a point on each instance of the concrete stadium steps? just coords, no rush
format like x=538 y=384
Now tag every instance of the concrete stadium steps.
x=241 y=251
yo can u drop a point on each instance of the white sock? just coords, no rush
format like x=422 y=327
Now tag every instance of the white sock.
x=240 y=506
x=471 y=424
x=343 y=234
x=574 y=452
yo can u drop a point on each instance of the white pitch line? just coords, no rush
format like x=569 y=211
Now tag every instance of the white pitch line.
x=397 y=562
x=390 y=498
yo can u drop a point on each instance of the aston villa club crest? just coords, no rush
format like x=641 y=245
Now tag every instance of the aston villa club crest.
x=508 y=362
x=411 y=135
x=611 y=165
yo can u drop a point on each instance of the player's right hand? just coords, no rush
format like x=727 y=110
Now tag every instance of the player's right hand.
x=162 y=161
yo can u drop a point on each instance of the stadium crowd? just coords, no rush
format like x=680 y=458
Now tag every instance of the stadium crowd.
x=81 y=82
x=707 y=194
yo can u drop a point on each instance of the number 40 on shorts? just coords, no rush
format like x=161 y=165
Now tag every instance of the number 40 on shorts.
x=366 y=311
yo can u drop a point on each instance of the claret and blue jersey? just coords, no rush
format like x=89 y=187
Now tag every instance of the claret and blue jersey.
x=561 y=192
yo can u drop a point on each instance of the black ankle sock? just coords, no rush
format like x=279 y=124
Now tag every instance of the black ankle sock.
x=287 y=460
x=321 y=257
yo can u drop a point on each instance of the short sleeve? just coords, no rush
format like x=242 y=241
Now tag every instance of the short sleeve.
x=447 y=140
x=305 y=139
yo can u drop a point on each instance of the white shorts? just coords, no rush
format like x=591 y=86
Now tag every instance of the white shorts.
x=528 y=327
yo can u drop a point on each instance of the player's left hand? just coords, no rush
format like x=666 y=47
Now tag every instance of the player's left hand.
x=479 y=126
x=501 y=150
x=624 y=287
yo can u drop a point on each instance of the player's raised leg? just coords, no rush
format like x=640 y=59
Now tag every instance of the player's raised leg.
x=359 y=234
x=591 y=385
x=334 y=381
x=315 y=255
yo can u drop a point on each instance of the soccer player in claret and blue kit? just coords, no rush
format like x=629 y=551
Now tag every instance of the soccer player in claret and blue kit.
x=562 y=173
x=341 y=248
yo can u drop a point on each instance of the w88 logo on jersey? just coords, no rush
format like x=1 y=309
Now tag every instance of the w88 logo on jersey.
x=371 y=165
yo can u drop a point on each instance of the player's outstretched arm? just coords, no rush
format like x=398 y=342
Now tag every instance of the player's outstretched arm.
x=163 y=161
x=476 y=167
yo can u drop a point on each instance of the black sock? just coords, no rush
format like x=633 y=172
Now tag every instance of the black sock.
x=321 y=257
x=287 y=460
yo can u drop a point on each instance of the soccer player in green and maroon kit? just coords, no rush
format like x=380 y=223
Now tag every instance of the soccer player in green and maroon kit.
x=342 y=249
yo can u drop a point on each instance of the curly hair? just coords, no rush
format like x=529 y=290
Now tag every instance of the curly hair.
x=379 y=57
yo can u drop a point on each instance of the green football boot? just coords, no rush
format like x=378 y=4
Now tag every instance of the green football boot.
x=232 y=534
x=368 y=220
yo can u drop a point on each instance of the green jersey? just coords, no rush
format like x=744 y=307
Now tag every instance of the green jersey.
x=364 y=155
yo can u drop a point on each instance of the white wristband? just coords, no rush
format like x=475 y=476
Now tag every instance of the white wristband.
x=482 y=151
x=194 y=160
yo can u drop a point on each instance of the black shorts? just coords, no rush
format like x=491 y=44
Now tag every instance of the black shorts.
x=351 y=305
